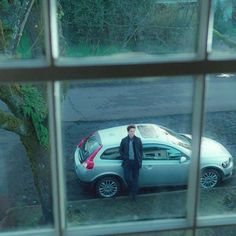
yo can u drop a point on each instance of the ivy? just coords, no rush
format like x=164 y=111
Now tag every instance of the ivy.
x=35 y=108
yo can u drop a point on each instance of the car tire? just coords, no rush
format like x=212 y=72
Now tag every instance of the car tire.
x=107 y=187
x=210 y=178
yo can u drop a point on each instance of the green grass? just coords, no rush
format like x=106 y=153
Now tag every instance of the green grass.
x=83 y=50
x=163 y=205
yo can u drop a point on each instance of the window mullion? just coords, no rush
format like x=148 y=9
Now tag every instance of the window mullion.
x=51 y=31
x=194 y=172
x=58 y=186
x=205 y=17
x=198 y=113
x=37 y=232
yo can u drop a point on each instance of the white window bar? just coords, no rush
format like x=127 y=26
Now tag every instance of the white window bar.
x=209 y=39
x=194 y=170
x=197 y=117
x=216 y=220
x=203 y=29
x=38 y=232
x=57 y=169
x=50 y=31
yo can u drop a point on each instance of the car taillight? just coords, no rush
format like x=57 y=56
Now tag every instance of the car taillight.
x=89 y=164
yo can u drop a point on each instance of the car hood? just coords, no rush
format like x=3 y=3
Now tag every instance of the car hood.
x=212 y=149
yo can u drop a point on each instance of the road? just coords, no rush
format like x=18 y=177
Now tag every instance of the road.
x=114 y=100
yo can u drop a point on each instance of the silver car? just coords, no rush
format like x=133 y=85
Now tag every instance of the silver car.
x=166 y=159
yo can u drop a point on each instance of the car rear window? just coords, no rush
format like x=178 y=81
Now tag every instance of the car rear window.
x=89 y=146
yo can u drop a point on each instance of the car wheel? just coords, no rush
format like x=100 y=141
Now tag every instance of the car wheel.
x=210 y=178
x=107 y=187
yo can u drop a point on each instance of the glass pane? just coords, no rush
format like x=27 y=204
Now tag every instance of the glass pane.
x=25 y=186
x=224 y=31
x=127 y=28
x=95 y=115
x=218 y=194
x=21 y=29
x=217 y=231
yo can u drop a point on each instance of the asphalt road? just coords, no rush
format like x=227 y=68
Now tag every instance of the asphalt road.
x=113 y=100
x=89 y=106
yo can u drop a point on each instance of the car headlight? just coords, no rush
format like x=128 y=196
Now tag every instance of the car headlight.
x=226 y=163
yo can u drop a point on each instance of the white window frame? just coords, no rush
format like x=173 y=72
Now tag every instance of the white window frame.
x=54 y=69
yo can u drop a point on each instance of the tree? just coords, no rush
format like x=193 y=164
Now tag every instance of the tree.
x=138 y=25
x=29 y=114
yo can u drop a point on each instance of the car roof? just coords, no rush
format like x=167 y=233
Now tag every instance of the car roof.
x=147 y=132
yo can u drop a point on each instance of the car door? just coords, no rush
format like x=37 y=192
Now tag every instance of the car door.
x=162 y=166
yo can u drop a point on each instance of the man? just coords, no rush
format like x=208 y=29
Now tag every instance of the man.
x=131 y=151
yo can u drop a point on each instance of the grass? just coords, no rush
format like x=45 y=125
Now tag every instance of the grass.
x=122 y=209
x=83 y=50
x=149 y=206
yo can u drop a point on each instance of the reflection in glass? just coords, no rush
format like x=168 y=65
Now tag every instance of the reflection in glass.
x=220 y=146
x=128 y=28
x=224 y=33
x=95 y=115
x=25 y=182
x=21 y=30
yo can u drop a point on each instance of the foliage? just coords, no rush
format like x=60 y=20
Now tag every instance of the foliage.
x=220 y=19
x=138 y=25
x=35 y=108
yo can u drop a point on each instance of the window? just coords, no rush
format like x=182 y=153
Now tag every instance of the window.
x=161 y=153
x=107 y=54
x=111 y=154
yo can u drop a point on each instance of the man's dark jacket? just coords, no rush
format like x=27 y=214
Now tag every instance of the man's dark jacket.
x=138 y=151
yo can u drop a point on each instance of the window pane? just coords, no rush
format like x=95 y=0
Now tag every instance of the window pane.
x=127 y=28
x=96 y=186
x=25 y=182
x=224 y=33
x=218 y=147
x=21 y=30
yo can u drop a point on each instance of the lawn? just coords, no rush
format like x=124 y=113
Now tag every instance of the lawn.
x=163 y=205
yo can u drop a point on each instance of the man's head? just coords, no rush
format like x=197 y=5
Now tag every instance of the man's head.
x=131 y=130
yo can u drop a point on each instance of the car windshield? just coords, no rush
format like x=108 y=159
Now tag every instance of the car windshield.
x=89 y=146
x=177 y=139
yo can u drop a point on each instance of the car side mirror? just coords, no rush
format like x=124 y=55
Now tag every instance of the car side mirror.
x=182 y=159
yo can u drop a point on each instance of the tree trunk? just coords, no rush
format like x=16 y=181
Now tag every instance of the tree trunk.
x=234 y=11
x=2 y=38
x=19 y=26
x=39 y=159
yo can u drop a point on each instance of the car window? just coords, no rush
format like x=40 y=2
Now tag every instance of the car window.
x=161 y=153
x=111 y=154
x=89 y=146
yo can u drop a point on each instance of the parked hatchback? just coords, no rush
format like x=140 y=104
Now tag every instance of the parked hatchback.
x=166 y=159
